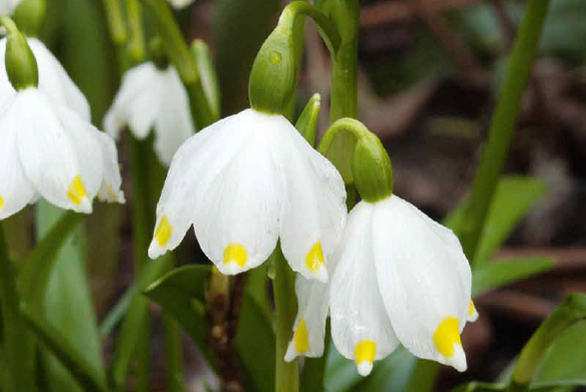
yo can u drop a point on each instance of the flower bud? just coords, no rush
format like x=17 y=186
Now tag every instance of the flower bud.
x=29 y=15
x=371 y=168
x=20 y=62
x=158 y=54
x=274 y=73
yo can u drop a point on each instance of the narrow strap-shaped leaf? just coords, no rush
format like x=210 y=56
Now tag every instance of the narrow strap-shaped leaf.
x=491 y=276
x=35 y=272
x=68 y=354
x=307 y=121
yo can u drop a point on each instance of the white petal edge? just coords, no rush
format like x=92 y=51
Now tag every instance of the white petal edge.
x=425 y=281
x=361 y=328
x=314 y=209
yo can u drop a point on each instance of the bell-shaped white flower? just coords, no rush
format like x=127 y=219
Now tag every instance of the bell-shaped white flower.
x=179 y=4
x=150 y=97
x=53 y=80
x=398 y=278
x=48 y=150
x=7 y=7
x=243 y=183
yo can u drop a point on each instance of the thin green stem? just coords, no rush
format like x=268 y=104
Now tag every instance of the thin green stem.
x=354 y=128
x=183 y=60
x=344 y=94
x=503 y=124
x=572 y=310
x=173 y=354
x=116 y=24
x=287 y=373
x=8 y=24
x=136 y=43
x=19 y=366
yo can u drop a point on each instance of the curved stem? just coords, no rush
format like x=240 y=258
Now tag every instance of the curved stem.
x=503 y=124
x=325 y=26
x=8 y=24
x=356 y=129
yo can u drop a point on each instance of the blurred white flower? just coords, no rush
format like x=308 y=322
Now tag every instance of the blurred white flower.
x=7 y=7
x=53 y=80
x=243 y=183
x=150 y=97
x=48 y=150
x=179 y=4
x=398 y=277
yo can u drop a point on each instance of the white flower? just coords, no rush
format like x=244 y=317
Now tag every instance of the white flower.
x=178 y=4
x=398 y=277
x=48 y=150
x=246 y=181
x=7 y=7
x=53 y=80
x=152 y=98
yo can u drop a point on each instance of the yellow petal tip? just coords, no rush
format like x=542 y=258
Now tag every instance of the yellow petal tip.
x=315 y=258
x=76 y=191
x=364 y=354
x=235 y=253
x=163 y=232
x=446 y=336
x=301 y=337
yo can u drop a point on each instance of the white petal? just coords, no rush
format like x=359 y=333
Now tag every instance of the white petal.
x=425 y=281
x=314 y=210
x=179 y=4
x=7 y=7
x=15 y=190
x=361 y=328
x=48 y=153
x=193 y=168
x=110 y=189
x=236 y=219
x=53 y=79
x=137 y=102
x=472 y=313
x=173 y=125
x=310 y=323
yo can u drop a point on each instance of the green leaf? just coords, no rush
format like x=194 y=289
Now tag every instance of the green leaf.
x=255 y=342
x=35 y=271
x=513 y=199
x=207 y=73
x=69 y=354
x=181 y=292
x=63 y=294
x=565 y=362
x=307 y=121
x=490 y=276
x=128 y=338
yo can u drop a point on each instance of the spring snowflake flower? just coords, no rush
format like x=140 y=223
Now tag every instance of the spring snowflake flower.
x=53 y=80
x=151 y=97
x=246 y=181
x=47 y=148
x=398 y=278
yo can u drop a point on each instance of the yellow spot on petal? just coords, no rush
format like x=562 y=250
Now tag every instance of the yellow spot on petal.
x=301 y=337
x=235 y=253
x=446 y=336
x=471 y=308
x=315 y=258
x=163 y=232
x=76 y=191
x=365 y=351
x=1 y=203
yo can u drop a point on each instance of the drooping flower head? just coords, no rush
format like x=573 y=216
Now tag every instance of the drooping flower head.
x=398 y=277
x=251 y=179
x=152 y=97
x=49 y=149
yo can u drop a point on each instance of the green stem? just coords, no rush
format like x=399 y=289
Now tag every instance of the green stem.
x=287 y=373
x=183 y=60
x=344 y=94
x=19 y=366
x=353 y=128
x=572 y=310
x=136 y=43
x=117 y=30
x=503 y=124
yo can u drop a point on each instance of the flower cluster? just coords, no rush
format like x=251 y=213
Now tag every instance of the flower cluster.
x=49 y=148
